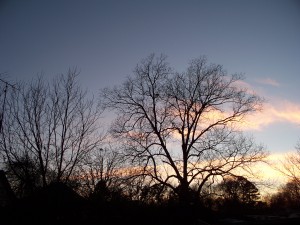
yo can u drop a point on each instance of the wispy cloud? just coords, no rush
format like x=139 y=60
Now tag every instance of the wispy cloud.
x=275 y=111
x=283 y=111
x=268 y=81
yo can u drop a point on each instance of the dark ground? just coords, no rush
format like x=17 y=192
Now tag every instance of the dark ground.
x=59 y=205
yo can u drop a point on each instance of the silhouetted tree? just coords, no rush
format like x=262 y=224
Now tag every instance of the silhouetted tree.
x=155 y=193
x=134 y=184
x=24 y=176
x=103 y=168
x=180 y=128
x=290 y=166
x=238 y=191
x=287 y=196
x=53 y=124
x=7 y=197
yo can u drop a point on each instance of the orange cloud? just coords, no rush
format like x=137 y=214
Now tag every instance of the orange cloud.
x=284 y=111
x=274 y=112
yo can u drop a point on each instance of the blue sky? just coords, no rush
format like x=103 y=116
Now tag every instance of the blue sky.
x=106 y=39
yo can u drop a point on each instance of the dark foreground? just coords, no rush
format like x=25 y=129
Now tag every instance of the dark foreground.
x=87 y=213
x=58 y=205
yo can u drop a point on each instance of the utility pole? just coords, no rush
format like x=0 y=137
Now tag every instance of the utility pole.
x=7 y=85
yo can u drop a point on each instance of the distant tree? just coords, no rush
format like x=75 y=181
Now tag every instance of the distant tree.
x=180 y=128
x=238 y=191
x=135 y=186
x=24 y=176
x=101 y=172
x=290 y=166
x=155 y=193
x=287 y=196
x=53 y=124
x=7 y=197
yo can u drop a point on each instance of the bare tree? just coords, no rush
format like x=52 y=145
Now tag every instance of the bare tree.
x=181 y=127
x=52 y=124
x=287 y=196
x=290 y=166
x=102 y=167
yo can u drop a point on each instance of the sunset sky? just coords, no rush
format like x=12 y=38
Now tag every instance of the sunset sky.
x=106 y=39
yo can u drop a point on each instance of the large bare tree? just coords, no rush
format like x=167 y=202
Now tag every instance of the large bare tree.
x=181 y=128
x=52 y=125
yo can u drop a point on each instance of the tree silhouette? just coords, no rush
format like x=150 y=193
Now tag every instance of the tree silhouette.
x=101 y=171
x=287 y=196
x=238 y=191
x=180 y=128
x=290 y=166
x=51 y=125
x=24 y=176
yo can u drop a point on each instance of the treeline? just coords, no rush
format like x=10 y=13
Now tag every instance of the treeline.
x=235 y=197
x=174 y=146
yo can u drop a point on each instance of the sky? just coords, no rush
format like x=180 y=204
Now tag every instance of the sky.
x=105 y=40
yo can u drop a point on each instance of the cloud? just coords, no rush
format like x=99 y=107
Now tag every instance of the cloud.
x=268 y=81
x=276 y=111
x=283 y=111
